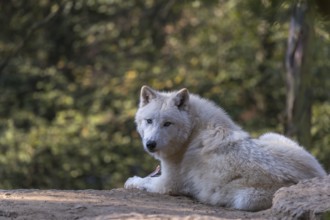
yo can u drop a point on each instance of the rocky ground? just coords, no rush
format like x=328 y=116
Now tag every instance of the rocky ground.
x=307 y=199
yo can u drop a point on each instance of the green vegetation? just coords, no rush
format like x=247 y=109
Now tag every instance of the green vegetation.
x=71 y=71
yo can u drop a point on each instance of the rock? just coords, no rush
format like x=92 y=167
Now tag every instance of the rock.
x=306 y=200
x=108 y=204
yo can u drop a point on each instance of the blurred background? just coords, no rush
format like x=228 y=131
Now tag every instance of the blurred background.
x=71 y=72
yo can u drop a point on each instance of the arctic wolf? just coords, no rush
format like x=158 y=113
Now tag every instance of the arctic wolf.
x=205 y=155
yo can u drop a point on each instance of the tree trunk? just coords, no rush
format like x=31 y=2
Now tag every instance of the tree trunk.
x=298 y=74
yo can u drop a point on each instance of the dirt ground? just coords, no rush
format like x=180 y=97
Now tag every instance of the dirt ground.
x=112 y=204
x=134 y=204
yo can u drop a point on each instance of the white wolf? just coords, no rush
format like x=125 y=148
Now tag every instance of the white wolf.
x=204 y=154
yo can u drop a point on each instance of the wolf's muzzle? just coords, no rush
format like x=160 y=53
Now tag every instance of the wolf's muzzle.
x=151 y=146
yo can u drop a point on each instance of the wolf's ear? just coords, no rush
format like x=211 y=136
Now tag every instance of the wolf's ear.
x=181 y=99
x=146 y=95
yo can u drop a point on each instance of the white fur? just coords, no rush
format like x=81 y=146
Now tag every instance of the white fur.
x=204 y=154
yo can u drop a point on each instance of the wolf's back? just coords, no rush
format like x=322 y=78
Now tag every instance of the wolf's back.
x=295 y=160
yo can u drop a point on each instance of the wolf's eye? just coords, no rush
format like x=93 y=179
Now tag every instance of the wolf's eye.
x=166 y=124
x=149 y=121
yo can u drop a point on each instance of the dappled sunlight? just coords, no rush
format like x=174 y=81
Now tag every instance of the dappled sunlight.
x=48 y=196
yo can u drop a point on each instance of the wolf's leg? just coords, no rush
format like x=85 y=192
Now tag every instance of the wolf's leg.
x=150 y=184
x=251 y=199
x=136 y=182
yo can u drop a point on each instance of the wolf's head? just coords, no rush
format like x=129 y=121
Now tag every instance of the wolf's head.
x=163 y=121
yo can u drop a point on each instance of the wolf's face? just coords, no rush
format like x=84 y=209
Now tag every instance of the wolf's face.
x=163 y=121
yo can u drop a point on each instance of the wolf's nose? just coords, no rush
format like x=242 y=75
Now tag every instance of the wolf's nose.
x=151 y=145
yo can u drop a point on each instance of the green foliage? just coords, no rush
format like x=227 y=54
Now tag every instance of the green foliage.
x=70 y=74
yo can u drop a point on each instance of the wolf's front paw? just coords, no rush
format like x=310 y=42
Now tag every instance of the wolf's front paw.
x=134 y=182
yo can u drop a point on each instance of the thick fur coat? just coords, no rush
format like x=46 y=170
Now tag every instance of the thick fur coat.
x=205 y=155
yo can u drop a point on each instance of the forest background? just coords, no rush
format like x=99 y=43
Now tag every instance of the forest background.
x=71 y=72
